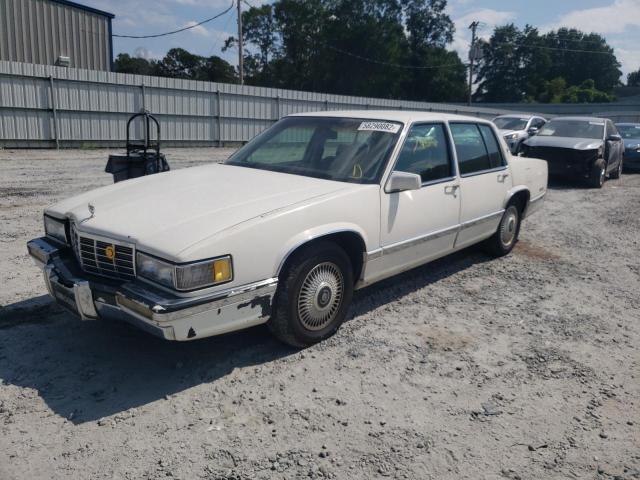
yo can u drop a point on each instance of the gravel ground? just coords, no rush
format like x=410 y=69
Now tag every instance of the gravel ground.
x=525 y=367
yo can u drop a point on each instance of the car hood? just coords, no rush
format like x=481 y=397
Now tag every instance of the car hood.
x=564 y=142
x=510 y=132
x=168 y=212
x=632 y=143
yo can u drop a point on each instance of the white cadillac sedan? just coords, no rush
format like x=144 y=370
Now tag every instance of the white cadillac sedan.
x=285 y=230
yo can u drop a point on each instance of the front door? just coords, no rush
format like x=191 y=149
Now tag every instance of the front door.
x=484 y=180
x=613 y=148
x=420 y=225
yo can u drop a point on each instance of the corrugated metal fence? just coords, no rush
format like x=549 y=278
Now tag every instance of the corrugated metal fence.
x=45 y=106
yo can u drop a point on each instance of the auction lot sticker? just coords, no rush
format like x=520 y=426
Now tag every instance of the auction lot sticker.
x=380 y=127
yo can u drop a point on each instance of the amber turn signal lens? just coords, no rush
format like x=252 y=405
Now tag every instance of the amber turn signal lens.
x=222 y=270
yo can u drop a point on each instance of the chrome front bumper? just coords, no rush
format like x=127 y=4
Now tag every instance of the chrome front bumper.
x=170 y=317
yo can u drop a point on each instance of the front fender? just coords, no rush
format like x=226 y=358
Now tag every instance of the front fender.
x=316 y=233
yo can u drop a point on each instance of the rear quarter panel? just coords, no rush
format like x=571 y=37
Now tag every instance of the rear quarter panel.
x=529 y=174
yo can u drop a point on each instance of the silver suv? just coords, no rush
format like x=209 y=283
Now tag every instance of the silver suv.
x=517 y=128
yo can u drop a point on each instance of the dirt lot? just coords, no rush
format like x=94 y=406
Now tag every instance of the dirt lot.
x=525 y=367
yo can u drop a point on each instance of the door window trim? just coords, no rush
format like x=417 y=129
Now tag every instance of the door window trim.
x=452 y=159
x=486 y=170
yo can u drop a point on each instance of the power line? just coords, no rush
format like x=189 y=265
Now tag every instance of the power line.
x=224 y=28
x=542 y=47
x=389 y=64
x=177 y=31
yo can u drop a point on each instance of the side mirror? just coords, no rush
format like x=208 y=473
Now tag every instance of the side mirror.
x=532 y=131
x=614 y=137
x=403 y=181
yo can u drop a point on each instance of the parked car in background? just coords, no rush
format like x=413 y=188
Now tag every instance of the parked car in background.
x=284 y=231
x=630 y=133
x=581 y=147
x=515 y=129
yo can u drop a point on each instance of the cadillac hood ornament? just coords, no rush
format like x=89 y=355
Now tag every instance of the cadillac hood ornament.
x=92 y=210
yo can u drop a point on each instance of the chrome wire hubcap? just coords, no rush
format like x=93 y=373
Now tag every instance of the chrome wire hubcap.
x=320 y=296
x=509 y=226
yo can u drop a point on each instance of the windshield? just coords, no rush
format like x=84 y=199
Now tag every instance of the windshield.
x=511 y=123
x=573 y=129
x=343 y=149
x=629 y=131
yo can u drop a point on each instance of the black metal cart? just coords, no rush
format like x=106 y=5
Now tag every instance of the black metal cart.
x=143 y=156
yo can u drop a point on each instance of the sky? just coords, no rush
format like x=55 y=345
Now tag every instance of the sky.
x=617 y=20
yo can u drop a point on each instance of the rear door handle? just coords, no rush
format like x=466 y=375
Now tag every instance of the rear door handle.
x=451 y=190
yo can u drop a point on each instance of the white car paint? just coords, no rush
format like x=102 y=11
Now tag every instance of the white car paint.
x=260 y=217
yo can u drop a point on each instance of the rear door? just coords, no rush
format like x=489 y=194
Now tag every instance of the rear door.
x=484 y=180
x=613 y=148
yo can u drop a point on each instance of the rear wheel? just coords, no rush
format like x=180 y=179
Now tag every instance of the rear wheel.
x=314 y=294
x=618 y=171
x=506 y=236
x=597 y=174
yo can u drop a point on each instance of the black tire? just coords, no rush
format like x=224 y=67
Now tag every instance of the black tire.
x=618 y=171
x=597 y=174
x=302 y=317
x=506 y=235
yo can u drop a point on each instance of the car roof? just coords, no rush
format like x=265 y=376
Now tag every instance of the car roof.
x=405 y=116
x=513 y=115
x=583 y=119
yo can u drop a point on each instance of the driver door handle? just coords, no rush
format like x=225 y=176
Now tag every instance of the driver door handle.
x=451 y=190
x=502 y=177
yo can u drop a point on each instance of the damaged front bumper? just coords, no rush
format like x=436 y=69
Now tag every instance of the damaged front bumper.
x=153 y=310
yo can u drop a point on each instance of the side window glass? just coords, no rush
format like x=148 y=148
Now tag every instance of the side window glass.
x=495 y=157
x=425 y=153
x=538 y=123
x=610 y=129
x=470 y=148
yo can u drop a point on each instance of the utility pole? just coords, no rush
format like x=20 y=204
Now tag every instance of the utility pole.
x=472 y=55
x=240 y=54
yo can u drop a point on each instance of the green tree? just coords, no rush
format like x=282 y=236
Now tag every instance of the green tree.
x=633 y=79
x=358 y=47
x=216 y=69
x=522 y=65
x=179 y=63
x=503 y=68
x=125 y=63
x=578 y=56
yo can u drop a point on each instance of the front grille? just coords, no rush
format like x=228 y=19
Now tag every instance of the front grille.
x=104 y=258
x=561 y=155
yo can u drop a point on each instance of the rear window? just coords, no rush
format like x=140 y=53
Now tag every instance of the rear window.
x=476 y=147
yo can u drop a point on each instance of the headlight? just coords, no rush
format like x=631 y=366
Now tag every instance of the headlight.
x=511 y=136
x=156 y=270
x=55 y=229
x=191 y=276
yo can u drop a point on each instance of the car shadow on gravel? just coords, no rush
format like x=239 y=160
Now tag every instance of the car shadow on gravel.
x=396 y=287
x=562 y=183
x=85 y=371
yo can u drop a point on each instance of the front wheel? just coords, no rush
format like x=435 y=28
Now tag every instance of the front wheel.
x=506 y=236
x=618 y=171
x=314 y=294
x=597 y=174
